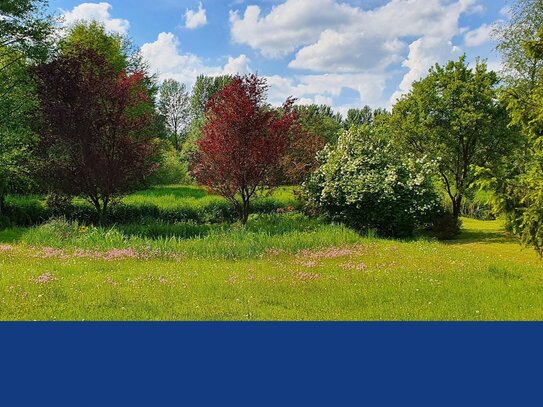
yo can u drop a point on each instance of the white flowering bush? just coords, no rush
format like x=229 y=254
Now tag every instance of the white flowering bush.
x=364 y=183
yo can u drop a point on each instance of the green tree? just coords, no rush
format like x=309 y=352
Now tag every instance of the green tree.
x=204 y=88
x=25 y=36
x=321 y=121
x=522 y=71
x=519 y=185
x=116 y=48
x=174 y=108
x=358 y=117
x=455 y=116
x=26 y=27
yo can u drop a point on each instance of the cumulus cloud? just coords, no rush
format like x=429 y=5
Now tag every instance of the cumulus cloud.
x=479 y=36
x=239 y=65
x=99 y=12
x=195 y=19
x=335 y=39
x=168 y=61
x=288 y=26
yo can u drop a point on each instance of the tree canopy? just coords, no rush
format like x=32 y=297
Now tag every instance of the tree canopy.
x=243 y=142
x=454 y=115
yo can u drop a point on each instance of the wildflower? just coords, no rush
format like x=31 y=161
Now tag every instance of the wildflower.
x=44 y=278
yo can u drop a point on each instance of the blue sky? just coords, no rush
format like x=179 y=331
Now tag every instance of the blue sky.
x=345 y=53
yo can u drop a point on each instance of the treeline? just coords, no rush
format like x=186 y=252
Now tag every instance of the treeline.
x=82 y=116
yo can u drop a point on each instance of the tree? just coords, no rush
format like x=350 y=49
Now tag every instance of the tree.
x=300 y=158
x=522 y=71
x=204 y=89
x=518 y=186
x=358 y=117
x=242 y=142
x=17 y=102
x=25 y=33
x=454 y=115
x=96 y=141
x=25 y=27
x=366 y=183
x=174 y=107
x=321 y=121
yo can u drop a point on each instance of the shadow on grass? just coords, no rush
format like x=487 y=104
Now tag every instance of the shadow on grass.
x=483 y=237
x=176 y=191
x=12 y=235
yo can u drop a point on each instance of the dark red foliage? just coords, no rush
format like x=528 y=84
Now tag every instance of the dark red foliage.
x=243 y=141
x=300 y=159
x=95 y=127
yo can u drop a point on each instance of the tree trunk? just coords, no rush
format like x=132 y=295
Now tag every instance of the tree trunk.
x=457 y=206
x=245 y=211
x=101 y=209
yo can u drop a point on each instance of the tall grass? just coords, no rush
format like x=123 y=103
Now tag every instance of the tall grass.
x=287 y=233
x=170 y=204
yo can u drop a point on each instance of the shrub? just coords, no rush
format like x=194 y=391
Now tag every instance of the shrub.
x=364 y=183
x=446 y=226
x=172 y=169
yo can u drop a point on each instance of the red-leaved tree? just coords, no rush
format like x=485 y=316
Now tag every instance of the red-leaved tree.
x=96 y=128
x=243 y=142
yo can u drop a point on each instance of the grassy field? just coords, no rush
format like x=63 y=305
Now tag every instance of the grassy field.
x=279 y=267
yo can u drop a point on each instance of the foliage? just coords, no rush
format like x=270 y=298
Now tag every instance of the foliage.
x=172 y=169
x=518 y=183
x=364 y=183
x=320 y=120
x=446 y=226
x=522 y=71
x=300 y=158
x=25 y=27
x=204 y=89
x=174 y=107
x=96 y=140
x=454 y=114
x=116 y=48
x=16 y=138
x=25 y=34
x=243 y=142
x=168 y=204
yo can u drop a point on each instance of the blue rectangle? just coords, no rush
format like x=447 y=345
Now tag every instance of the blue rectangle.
x=271 y=364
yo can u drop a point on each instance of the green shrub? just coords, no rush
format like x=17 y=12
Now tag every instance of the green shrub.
x=446 y=226
x=172 y=169
x=364 y=183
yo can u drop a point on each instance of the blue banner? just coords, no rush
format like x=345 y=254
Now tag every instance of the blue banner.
x=271 y=364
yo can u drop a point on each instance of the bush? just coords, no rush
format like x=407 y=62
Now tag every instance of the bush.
x=364 y=183
x=446 y=226
x=172 y=169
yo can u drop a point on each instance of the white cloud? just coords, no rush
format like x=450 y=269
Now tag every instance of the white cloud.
x=351 y=43
x=239 y=65
x=424 y=53
x=99 y=12
x=288 y=26
x=167 y=60
x=479 y=36
x=195 y=19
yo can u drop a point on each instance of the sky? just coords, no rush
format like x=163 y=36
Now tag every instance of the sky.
x=344 y=53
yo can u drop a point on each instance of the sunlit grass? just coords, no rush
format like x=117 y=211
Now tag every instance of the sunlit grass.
x=297 y=269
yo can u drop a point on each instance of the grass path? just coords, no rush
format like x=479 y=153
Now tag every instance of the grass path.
x=484 y=275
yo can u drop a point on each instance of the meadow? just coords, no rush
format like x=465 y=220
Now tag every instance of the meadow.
x=281 y=266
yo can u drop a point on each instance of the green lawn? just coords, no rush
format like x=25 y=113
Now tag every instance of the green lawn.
x=281 y=267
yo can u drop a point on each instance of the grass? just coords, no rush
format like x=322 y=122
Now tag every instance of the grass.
x=281 y=267
x=170 y=203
